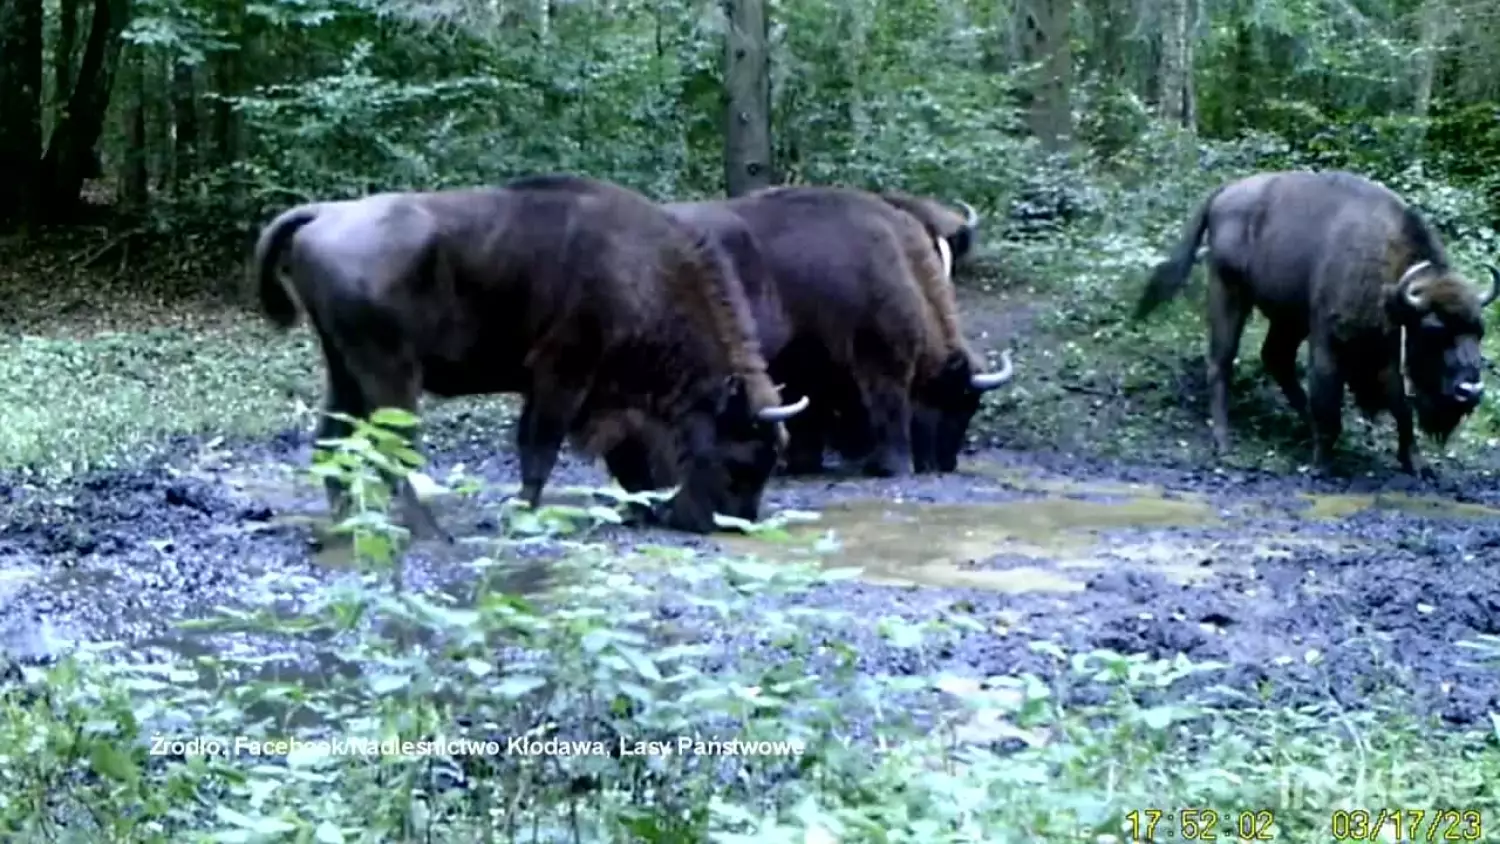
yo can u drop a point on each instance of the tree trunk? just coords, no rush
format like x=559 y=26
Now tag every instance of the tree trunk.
x=135 y=176
x=62 y=55
x=185 y=126
x=20 y=109
x=157 y=76
x=1240 y=103
x=1171 y=101
x=747 y=82
x=1107 y=45
x=1044 y=42
x=996 y=53
x=226 y=80
x=70 y=150
x=1435 y=30
x=1189 y=89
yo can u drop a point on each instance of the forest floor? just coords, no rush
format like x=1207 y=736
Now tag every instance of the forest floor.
x=1089 y=513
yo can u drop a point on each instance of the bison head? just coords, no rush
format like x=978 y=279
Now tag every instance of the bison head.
x=943 y=407
x=961 y=236
x=1442 y=320
x=731 y=449
x=941 y=221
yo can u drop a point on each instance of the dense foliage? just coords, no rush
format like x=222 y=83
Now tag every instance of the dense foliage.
x=927 y=95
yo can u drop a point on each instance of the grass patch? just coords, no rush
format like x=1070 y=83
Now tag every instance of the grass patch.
x=83 y=398
x=82 y=403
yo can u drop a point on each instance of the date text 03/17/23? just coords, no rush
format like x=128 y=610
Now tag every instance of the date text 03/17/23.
x=1199 y=825
x=1344 y=825
x=1406 y=825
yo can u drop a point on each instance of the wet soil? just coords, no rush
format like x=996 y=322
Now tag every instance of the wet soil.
x=1307 y=589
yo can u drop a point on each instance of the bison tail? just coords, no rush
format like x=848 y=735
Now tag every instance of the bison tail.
x=1171 y=276
x=276 y=301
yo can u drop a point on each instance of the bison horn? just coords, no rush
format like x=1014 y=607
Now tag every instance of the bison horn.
x=784 y=412
x=946 y=253
x=991 y=380
x=1413 y=297
x=971 y=217
x=1494 y=286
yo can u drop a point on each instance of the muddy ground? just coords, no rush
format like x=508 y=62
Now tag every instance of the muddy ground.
x=1307 y=588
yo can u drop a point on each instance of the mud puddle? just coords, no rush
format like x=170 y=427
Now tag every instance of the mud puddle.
x=1334 y=506
x=1054 y=540
x=1257 y=573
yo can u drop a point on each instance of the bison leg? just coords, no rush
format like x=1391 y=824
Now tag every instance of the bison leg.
x=343 y=397
x=1326 y=405
x=396 y=383
x=1406 y=437
x=806 y=434
x=890 y=425
x=1278 y=354
x=630 y=464
x=1228 y=308
x=924 y=439
x=545 y=419
x=848 y=433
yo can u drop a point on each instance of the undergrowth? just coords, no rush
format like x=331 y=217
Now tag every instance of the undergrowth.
x=99 y=747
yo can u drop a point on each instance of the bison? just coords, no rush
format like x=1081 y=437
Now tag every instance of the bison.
x=1344 y=262
x=859 y=311
x=940 y=221
x=581 y=295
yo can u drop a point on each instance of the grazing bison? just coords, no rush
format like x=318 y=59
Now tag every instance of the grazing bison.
x=860 y=311
x=1342 y=261
x=940 y=221
x=637 y=450
x=583 y=296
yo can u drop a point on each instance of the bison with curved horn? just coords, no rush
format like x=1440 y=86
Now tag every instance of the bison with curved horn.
x=580 y=294
x=861 y=313
x=1344 y=263
x=941 y=222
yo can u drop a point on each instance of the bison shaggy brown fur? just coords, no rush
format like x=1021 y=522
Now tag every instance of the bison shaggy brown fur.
x=582 y=295
x=861 y=313
x=1343 y=262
